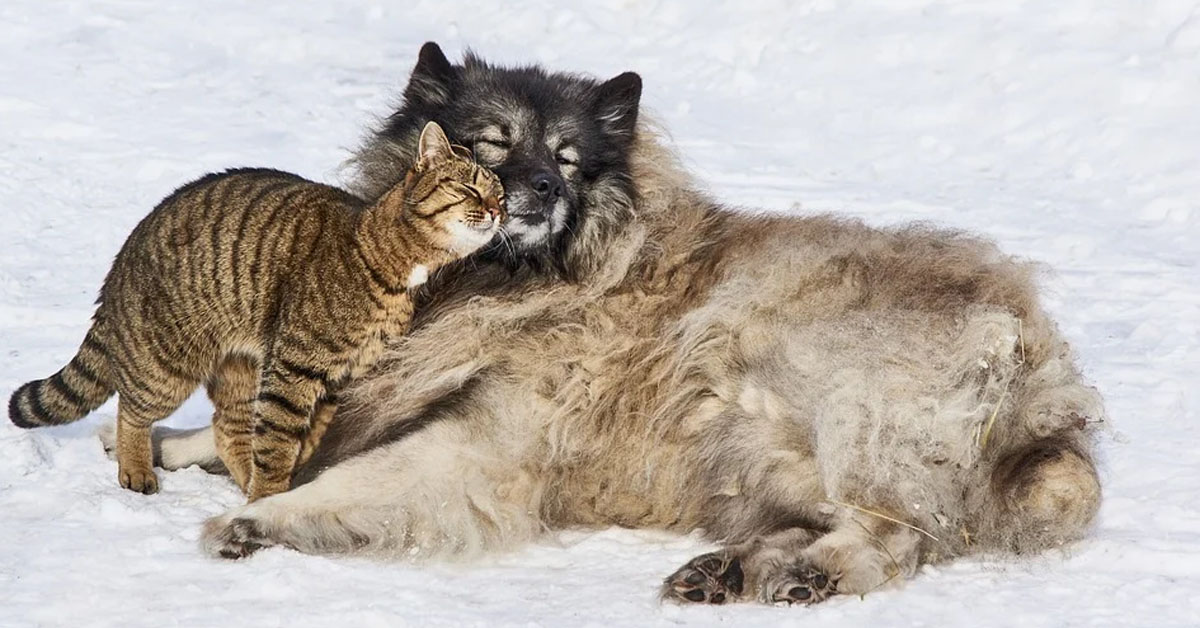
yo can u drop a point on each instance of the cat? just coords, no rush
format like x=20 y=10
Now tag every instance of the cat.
x=273 y=291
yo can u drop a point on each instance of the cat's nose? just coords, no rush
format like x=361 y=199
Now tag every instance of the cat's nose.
x=547 y=185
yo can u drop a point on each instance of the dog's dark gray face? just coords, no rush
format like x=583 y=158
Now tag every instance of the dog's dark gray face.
x=559 y=142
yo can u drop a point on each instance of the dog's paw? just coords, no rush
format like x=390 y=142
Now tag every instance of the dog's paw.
x=714 y=578
x=233 y=537
x=798 y=584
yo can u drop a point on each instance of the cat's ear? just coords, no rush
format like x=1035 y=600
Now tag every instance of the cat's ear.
x=433 y=77
x=434 y=145
x=616 y=103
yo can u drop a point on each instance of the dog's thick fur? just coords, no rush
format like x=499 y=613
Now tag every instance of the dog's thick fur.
x=835 y=403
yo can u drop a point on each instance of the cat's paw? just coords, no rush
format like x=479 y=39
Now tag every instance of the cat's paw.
x=233 y=537
x=138 y=480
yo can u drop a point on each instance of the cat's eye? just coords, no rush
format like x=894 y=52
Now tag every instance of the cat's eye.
x=467 y=190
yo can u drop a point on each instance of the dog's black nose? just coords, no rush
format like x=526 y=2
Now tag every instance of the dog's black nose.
x=548 y=185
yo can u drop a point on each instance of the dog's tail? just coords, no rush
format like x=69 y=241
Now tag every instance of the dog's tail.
x=68 y=395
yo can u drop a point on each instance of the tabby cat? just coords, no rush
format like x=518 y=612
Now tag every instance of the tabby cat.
x=271 y=290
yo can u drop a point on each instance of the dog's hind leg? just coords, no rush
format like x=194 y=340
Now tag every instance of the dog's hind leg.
x=801 y=566
x=732 y=574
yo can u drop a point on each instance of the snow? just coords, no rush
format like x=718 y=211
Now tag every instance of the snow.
x=1069 y=131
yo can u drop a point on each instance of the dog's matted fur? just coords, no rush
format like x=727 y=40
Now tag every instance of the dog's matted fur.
x=833 y=402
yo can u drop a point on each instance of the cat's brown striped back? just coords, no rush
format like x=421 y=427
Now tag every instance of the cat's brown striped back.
x=272 y=291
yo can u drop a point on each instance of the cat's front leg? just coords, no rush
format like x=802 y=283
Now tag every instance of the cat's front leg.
x=282 y=422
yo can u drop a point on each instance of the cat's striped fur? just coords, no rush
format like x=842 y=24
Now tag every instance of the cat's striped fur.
x=272 y=291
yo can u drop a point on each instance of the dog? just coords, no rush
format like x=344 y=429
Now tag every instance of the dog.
x=835 y=404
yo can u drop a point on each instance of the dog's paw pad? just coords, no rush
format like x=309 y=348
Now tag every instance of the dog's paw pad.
x=714 y=578
x=799 y=584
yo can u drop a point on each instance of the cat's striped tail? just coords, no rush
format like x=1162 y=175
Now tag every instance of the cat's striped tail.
x=68 y=395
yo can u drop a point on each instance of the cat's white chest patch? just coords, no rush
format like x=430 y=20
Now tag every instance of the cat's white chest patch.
x=418 y=276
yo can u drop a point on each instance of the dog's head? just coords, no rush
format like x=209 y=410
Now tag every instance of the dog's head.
x=559 y=142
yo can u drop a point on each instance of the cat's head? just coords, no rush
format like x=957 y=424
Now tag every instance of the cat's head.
x=457 y=203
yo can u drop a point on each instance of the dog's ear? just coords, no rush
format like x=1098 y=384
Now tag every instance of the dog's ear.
x=616 y=104
x=432 y=79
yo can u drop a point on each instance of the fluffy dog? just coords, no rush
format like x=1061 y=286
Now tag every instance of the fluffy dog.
x=834 y=403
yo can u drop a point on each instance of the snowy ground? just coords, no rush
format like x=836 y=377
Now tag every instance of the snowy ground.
x=1069 y=131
